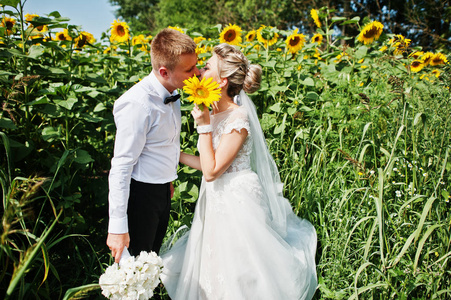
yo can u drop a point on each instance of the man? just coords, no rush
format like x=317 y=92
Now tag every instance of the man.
x=147 y=148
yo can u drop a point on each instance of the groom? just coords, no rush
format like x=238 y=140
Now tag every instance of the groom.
x=147 y=148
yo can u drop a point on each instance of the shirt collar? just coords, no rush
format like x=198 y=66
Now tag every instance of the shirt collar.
x=159 y=88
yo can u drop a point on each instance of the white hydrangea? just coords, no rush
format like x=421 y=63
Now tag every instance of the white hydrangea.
x=133 y=278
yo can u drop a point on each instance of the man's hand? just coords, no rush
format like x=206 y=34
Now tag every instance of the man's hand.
x=116 y=243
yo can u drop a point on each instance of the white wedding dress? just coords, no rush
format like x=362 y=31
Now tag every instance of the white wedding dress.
x=232 y=250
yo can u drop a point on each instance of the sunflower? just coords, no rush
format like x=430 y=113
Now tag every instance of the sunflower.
x=119 y=32
x=199 y=51
x=63 y=36
x=400 y=43
x=317 y=38
x=176 y=28
x=142 y=41
x=383 y=48
x=295 y=41
x=267 y=35
x=250 y=36
x=38 y=32
x=231 y=35
x=8 y=23
x=314 y=14
x=416 y=54
x=139 y=40
x=436 y=73
x=438 y=59
x=83 y=39
x=426 y=58
x=204 y=92
x=199 y=39
x=416 y=66
x=30 y=17
x=372 y=31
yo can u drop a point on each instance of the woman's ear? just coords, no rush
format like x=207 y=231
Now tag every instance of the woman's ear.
x=223 y=82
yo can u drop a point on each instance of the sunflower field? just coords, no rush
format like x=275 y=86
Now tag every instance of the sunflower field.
x=358 y=125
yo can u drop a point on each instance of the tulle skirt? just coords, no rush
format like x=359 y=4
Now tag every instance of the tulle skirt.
x=232 y=252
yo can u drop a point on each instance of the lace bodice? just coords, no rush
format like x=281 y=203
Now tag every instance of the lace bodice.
x=227 y=121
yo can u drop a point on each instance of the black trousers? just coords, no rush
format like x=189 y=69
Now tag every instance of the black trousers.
x=148 y=215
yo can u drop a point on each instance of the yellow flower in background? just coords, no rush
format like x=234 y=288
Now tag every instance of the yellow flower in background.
x=438 y=59
x=436 y=73
x=416 y=66
x=39 y=31
x=250 y=36
x=110 y=49
x=205 y=91
x=199 y=39
x=119 y=32
x=199 y=51
x=416 y=54
x=231 y=35
x=267 y=35
x=83 y=39
x=139 y=40
x=295 y=41
x=8 y=23
x=317 y=38
x=341 y=57
x=314 y=14
x=400 y=43
x=63 y=36
x=371 y=32
x=30 y=17
x=176 y=28
x=383 y=49
x=142 y=41
x=426 y=58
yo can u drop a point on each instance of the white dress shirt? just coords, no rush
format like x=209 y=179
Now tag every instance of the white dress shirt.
x=147 y=144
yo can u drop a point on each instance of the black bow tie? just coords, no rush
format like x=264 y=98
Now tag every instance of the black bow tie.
x=171 y=99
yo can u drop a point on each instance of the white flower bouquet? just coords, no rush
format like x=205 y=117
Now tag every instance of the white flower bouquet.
x=133 y=278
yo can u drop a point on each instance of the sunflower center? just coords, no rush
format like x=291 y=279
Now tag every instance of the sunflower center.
x=82 y=41
x=370 y=33
x=202 y=92
x=230 y=35
x=294 y=41
x=9 y=24
x=61 y=37
x=416 y=64
x=251 y=37
x=120 y=30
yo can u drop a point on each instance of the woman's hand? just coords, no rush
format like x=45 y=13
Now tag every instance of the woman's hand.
x=201 y=116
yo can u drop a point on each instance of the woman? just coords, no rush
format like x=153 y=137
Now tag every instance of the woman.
x=245 y=242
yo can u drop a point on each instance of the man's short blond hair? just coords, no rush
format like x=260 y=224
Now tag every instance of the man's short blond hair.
x=167 y=46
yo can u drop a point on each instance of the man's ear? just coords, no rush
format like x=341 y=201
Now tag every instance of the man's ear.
x=164 y=72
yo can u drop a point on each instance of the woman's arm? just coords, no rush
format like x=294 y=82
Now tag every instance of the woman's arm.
x=214 y=164
x=190 y=160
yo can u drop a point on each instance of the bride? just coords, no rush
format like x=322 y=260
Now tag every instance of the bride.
x=245 y=242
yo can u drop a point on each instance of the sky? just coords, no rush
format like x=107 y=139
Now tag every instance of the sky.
x=95 y=16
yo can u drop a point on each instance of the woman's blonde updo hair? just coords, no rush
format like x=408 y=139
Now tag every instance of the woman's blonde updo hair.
x=233 y=65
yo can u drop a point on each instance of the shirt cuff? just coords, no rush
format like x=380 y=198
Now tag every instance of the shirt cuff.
x=118 y=225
